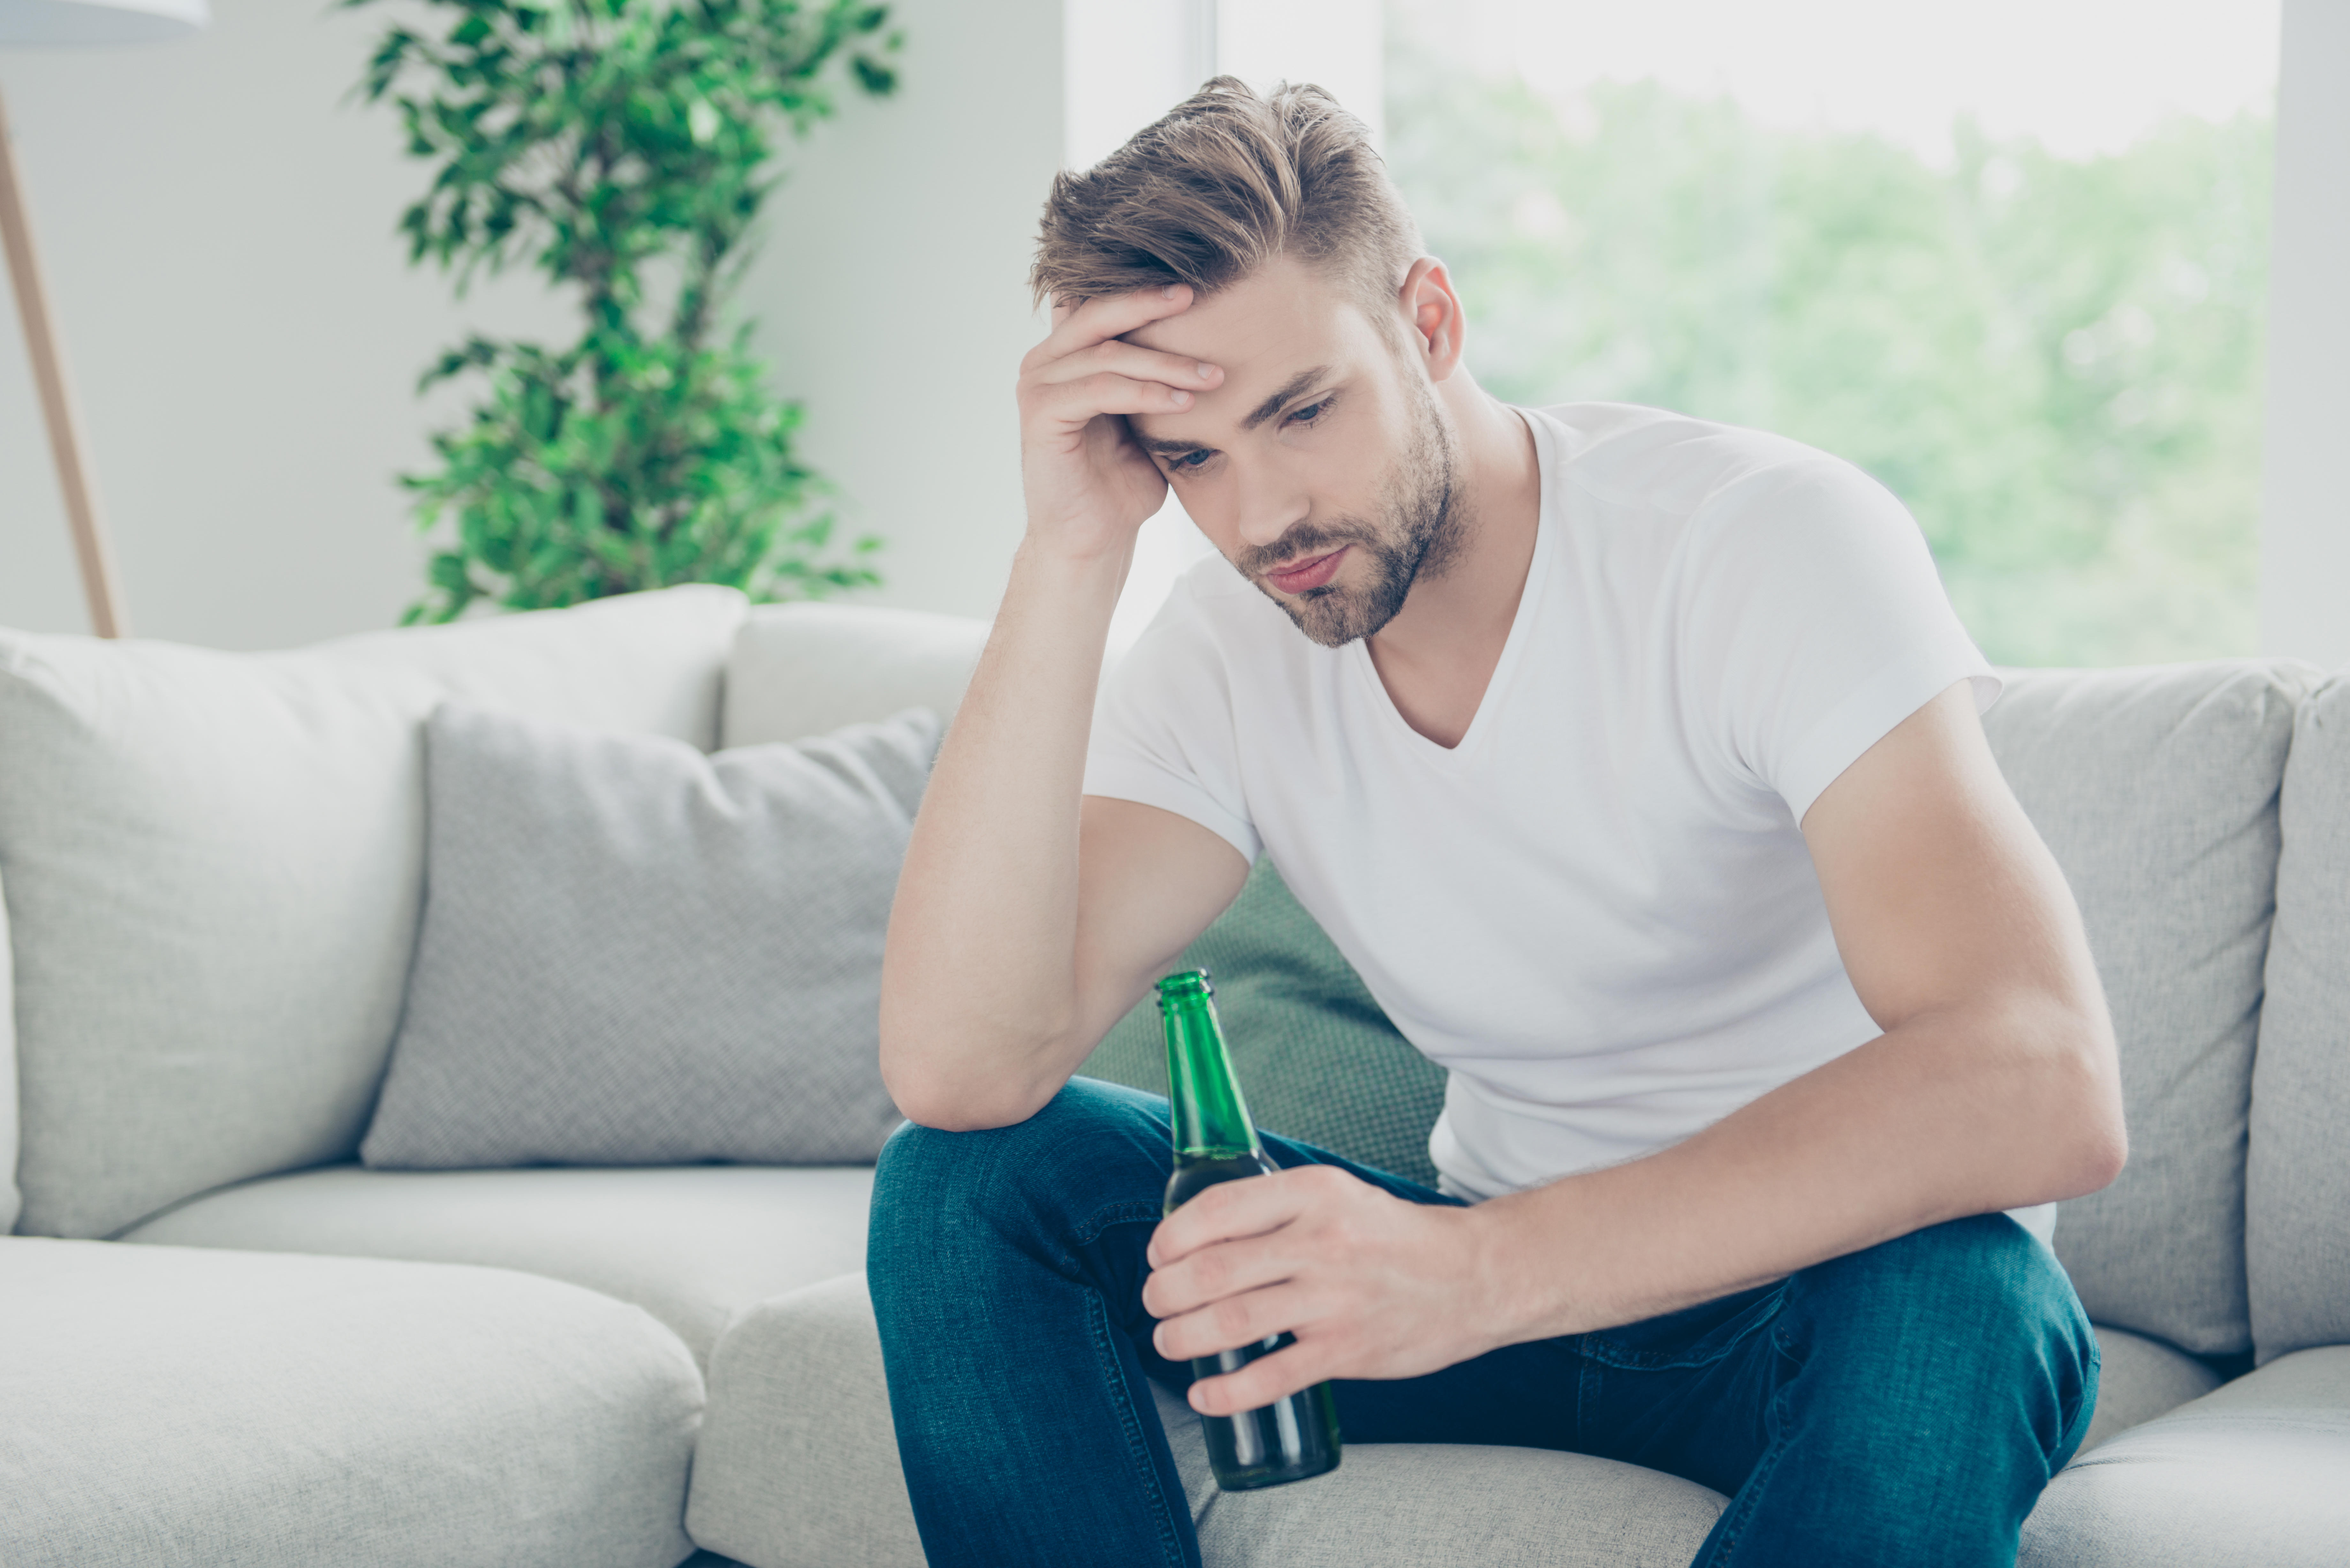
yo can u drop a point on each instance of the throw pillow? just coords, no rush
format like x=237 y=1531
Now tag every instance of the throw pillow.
x=634 y=953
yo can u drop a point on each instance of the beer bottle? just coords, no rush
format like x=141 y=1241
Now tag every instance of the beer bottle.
x=1297 y=1436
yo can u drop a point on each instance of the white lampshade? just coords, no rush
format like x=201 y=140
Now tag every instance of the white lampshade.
x=99 y=21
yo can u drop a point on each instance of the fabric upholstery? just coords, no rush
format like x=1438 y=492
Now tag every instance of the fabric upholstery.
x=1427 y=1505
x=2253 y=1473
x=2155 y=788
x=9 y=1199
x=634 y=954
x=180 y=1406
x=693 y=1245
x=1316 y=1056
x=213 y=864
x=2141 y=1378
x=2297 y=1220
x=805 y=670
x=798 y=1467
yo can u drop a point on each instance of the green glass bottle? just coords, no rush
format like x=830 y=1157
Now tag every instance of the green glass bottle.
x=1297 y=1436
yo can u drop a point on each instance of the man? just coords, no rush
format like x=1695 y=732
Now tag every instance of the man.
x=1636 y=763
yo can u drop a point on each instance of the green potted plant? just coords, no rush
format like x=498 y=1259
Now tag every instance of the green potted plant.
x=622 y=146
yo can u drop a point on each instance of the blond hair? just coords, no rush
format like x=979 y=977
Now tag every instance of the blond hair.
x=1227 y=181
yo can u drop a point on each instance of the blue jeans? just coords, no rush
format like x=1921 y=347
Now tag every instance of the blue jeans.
x=1902 y=1405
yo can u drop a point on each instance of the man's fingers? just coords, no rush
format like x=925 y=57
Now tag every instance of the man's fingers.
x=1225 y=1270
x=1075 y=402
x=1235 y=1321
x=1234 y=1209
x=1131 y=360
x=1104 y=316
x=1261 y=1381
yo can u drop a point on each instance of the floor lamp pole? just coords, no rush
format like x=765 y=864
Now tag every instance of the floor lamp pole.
x=90 y=547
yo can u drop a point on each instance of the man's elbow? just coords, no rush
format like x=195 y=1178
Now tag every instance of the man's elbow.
x=928 y=1096
x=2091 y=1141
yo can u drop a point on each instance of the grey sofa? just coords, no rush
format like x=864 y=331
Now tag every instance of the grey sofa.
x=221 y=1341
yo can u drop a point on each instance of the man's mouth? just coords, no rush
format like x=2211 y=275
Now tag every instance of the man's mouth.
x=1308 y=574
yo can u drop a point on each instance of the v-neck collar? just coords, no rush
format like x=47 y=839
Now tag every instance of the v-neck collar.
x=1522 y=627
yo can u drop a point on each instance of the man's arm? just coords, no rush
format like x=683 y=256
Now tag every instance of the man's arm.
x=1994 y=1085
x=1025 y=924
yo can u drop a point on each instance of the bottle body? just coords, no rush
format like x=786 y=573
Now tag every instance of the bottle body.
x=1296 y=1437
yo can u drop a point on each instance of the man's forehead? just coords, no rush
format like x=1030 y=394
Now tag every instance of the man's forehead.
x=1265 y=332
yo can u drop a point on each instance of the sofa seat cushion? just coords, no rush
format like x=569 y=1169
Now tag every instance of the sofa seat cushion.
x=1430 y=1505
x=174 y=1407
x=798 y=1467
x=693 y=1245
x=2141 y=1378
x=2251 y=1473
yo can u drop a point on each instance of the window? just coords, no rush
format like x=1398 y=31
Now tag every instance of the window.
x=2011 y=258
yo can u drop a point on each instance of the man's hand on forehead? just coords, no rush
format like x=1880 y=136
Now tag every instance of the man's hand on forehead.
x=1090 y=485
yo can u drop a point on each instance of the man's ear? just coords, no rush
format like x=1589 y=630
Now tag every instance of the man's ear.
x=1438 y=326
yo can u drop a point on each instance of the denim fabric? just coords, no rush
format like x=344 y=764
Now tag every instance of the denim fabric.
x=1905 y=1404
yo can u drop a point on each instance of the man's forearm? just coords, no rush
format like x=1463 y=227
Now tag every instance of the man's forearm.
x=1947 y=1115
x=978 y=984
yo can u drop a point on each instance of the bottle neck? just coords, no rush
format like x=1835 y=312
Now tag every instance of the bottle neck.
x=1212 y=1120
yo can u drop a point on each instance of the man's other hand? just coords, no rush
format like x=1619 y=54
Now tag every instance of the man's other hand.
x=1088 y=485
x=1371 y=1285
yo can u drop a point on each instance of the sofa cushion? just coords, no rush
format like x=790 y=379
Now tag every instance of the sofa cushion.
x=636 y=954
x=798 y=1467
x=803 y=670
x=1429 y=1505
x=10 y=1200
x=2297 y=1216
x=693 y=1245
x=2251 y=1473
x=2139 y=1379
x=1318 y=1059
x=212 y=864
x=797 y=1464
x=172 y=1404
x=2156 y=789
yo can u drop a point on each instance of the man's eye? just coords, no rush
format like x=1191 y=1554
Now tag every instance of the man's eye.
x=1188 y=459
x=1311 y=411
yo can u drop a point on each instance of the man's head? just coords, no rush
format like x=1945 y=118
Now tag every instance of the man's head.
x=1325 y=465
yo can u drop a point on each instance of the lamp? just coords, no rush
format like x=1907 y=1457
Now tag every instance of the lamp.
x=51 y=22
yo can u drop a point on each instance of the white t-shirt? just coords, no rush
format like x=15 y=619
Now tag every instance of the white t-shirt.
x=1597 y=911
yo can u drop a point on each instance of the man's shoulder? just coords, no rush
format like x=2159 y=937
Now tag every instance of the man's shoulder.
x=1626 y=454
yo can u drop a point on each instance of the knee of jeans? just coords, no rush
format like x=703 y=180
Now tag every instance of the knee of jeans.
x=929 y=1184
x=1980 y=1290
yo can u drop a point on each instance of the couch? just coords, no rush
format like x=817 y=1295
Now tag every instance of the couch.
x=223 y=1341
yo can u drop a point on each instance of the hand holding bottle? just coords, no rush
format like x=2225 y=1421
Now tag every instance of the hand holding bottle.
x=1368 y=1285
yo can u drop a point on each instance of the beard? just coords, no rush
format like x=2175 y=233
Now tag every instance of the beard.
x=1417 y=533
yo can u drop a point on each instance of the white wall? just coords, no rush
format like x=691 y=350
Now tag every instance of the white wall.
x=238 y=323
x=894 y=292
x=243 y=331
x=2305 y=522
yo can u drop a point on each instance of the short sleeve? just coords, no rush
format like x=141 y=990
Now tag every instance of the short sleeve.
x=1812 y=622
x=1163 y=731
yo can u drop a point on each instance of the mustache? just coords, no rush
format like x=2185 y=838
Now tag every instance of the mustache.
x=1307 y=539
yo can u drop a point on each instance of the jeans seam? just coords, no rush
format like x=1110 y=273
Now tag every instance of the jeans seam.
x=1088 y=1230
x=1130 y=1422
x=1750 y=1495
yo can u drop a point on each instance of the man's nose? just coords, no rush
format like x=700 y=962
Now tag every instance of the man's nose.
x=1269 y=509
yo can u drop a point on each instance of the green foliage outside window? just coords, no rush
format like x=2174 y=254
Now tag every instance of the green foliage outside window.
x=623 y=147
x=2056 y=363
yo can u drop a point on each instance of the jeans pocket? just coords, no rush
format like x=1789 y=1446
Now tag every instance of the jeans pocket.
x=1694 y=1336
